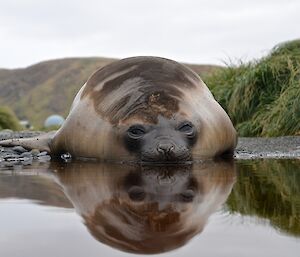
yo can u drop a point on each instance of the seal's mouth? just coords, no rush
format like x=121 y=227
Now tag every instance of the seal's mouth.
x=185 y=158
x=165 y=163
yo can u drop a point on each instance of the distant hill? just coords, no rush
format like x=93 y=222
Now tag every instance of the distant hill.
x=49 y=87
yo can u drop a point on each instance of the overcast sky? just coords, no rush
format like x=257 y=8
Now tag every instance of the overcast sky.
x=194 y=31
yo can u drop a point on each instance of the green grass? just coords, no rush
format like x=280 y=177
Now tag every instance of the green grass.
x=8 y=119
x=262 y=97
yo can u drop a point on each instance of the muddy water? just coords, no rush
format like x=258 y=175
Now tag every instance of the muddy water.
x=241 y=208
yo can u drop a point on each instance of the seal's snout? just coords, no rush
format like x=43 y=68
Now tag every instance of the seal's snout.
x=165 y=151
x=165 y=148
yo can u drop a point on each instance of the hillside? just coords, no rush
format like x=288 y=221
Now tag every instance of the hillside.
x=49 y=87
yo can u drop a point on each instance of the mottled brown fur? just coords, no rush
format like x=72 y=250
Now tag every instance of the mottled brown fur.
x=158 y=86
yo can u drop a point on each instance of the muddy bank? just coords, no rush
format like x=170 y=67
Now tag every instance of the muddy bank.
x=248 y=148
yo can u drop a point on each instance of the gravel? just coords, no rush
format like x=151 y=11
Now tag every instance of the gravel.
x=274 y=147
x=247 y=148
x=17 y=155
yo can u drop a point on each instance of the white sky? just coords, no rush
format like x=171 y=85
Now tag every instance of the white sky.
x=194 y=31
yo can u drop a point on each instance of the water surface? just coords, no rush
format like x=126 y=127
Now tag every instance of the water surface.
x=242 y=208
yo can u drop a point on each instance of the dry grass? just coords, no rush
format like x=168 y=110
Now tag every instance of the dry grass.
x=8 y=119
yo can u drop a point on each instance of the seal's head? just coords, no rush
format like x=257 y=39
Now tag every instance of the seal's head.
x=145 y=109
x=168 y=140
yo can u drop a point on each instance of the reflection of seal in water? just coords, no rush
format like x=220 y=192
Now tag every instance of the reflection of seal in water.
x=146 y=209
x=142 y=108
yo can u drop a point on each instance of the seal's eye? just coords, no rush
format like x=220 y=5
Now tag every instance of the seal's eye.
x=187 y=196
x=136 y=131
x=136 y=193
x=187 y=128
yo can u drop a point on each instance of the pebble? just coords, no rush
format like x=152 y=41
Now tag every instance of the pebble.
x=8 y=151
x=18 y=156
x=42 y=154
x=44 y=158
x=5 y=134
x=19 y=149
x=27 y=163
x=11 y=156
x=35 y=152
x=66 y=157
x=26 y=154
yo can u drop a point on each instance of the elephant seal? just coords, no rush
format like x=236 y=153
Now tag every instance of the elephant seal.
x=147 y=109
x=145 y=209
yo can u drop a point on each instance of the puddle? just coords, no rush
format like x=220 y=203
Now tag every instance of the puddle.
x=241 y=208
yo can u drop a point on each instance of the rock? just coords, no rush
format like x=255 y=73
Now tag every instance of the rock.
x=5 y=151
x=5 y=134
x=42 y=154
x=11 y=156
x=66 y=157
x=27 y=163
x=44 y=158
x=19 y=149
x=26 y=154
x=35 y=153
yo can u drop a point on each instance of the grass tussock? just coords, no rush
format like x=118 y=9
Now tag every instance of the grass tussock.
x=8 y=119
x=262 y=97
